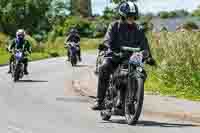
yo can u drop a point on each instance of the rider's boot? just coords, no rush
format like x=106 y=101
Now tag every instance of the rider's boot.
x=79 y=55
x=9 y=71
x=68 y=55
x=120 y=99
x=26 y=69
x=80 y=59
x=99 y=105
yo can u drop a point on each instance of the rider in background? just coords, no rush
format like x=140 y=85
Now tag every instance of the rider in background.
x=124 y=32
x=20 y=43
x=73 y=37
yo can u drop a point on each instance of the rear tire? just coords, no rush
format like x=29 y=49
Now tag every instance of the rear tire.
x=133 y=111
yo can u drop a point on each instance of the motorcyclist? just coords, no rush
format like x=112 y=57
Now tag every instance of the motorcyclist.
x=73 y=37
x=20 y=43
x=124 y=32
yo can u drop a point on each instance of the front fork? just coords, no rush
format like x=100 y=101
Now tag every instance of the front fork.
x=133 y=74
x=131 y=85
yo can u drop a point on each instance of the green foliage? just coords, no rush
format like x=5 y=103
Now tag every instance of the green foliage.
x=86 y=27
x=196 y=12
x=164 y=15
x=81 y=8
x=27 y=14
x=109 y=14
x=173 y=14
x=83 y=25
x=182 y=13
x=145 y=22
x=59 y=10
x=190 y=25
x=3 y=40
x=179 y=66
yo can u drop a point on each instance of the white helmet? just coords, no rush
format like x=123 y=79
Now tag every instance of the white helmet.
x=20 y=33
x=128 y=9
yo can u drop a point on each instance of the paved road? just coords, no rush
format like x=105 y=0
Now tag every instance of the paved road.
x=45 y=102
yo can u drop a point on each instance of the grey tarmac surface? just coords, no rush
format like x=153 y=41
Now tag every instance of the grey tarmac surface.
x=49 y=101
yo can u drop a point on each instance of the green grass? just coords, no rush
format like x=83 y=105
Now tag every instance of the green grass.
x=178 y=71
x=51 y=49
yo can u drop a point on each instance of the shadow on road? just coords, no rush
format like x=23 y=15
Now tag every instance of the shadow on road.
x=164 y=124
x=32 y=81
x=83 y=66
x=154 y=124
x=92 y=97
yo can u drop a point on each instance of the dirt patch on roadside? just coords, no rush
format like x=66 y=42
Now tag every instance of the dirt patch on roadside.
x=183 y=116
x=85 y=86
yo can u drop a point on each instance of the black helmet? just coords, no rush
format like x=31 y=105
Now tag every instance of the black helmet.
x=127 y=9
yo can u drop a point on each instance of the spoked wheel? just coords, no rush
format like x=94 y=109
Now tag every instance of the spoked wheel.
x=133 y=107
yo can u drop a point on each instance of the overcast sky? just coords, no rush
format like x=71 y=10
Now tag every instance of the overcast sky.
x=152 y=5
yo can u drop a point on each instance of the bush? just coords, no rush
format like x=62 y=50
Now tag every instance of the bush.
x=36 y=47
x=164 y=15
x=190 y=25
x=53 y=54
x=179 y=66
x=196 y=12
x=83 y=25
x=3 y=40
x=172 y=14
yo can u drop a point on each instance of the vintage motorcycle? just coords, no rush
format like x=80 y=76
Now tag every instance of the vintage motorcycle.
x=125 y=94
x=73 y=50
x=17 y=66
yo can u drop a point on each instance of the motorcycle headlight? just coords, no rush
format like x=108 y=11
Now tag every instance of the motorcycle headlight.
x=140 y=69
x=18 y=55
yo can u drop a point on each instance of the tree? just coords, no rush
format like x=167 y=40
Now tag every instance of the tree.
x=27 y=14
x=109 y=13
x=164 y=15
x=58 y=12
x=190 y=25
x=172 y=14
x=81 y=8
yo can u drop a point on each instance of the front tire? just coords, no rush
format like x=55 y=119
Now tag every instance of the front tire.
x=134 y=109
x=73 y=60
x=106 y=115
x=16 y=75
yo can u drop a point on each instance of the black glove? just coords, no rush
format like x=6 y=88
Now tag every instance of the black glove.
x=151 y=62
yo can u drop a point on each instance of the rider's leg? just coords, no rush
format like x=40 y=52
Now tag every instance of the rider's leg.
x=68 y=54
x=107 y=67
x=25 y=66
x=10 y=63
x=79 y=54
